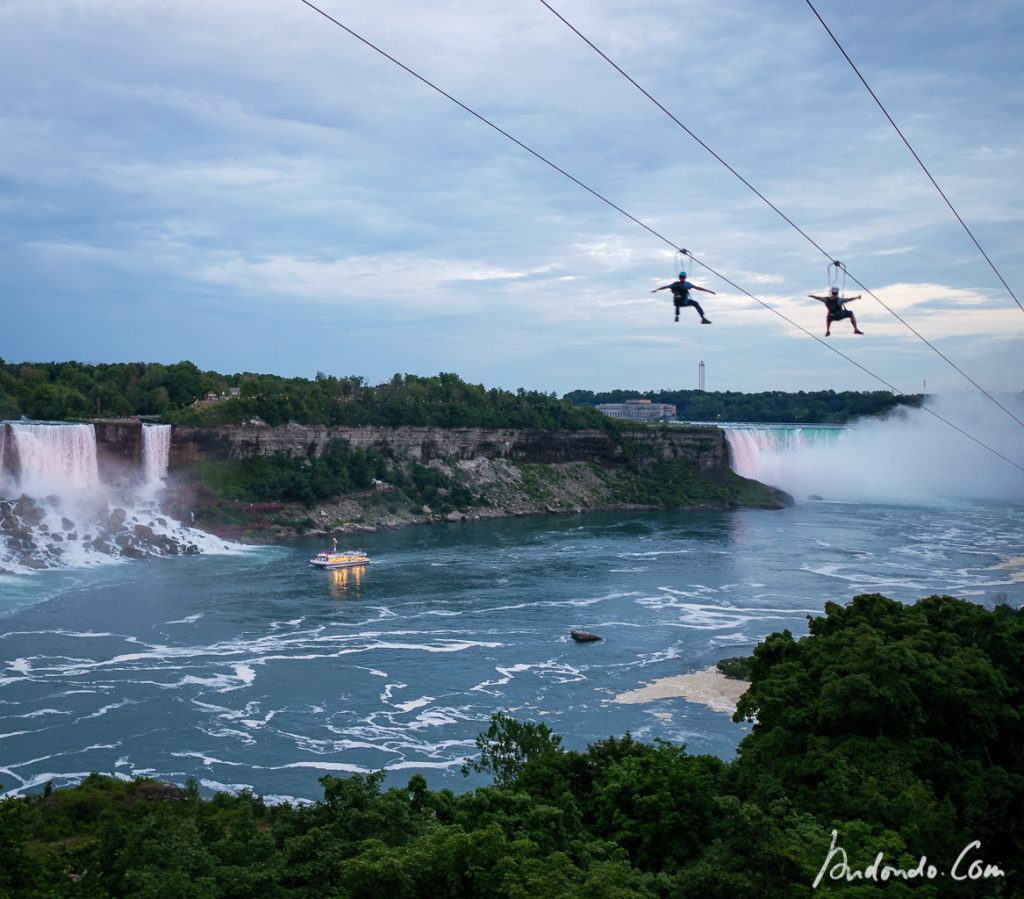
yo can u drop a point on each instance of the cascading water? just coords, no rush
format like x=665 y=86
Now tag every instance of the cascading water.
x=758 y=450
x=55 y=511
x=911 y=457
x=156 y=451
x=57 y=459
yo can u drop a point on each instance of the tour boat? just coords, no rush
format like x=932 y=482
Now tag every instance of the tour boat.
x=335 y=558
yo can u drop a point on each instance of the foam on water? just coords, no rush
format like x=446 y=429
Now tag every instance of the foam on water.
x=266 y=678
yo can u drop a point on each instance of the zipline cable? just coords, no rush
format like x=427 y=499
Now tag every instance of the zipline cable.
x=930 y=411
x=913 y=152
x=775 y=208
x=488 y=122
x=643 y=225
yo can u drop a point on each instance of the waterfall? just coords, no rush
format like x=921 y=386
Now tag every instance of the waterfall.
x=912 y=456
x=758 y=450
x=55 y=458
x=60 y=514
x=156 y=451
x=3 y=452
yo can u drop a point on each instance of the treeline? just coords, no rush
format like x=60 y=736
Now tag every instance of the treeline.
x=183 y=394
x=815 y=407
x=891 y=737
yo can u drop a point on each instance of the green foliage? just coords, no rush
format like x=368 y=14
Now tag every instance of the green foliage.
x=183 y=394
x=341 y=469
x=776 y=406
x=509 y=744
x=678 y=483
x=737 y=667
x=918 y=706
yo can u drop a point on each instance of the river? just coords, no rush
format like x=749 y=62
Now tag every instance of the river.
x=246 y=668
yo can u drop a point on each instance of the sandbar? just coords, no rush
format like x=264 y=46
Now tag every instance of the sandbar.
x=708 y=687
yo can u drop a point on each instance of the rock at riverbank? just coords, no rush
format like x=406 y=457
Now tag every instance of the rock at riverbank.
x=708 y=687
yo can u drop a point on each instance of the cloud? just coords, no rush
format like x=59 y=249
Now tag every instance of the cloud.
x=259 y=162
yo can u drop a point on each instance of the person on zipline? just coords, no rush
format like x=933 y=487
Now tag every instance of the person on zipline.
x=834 y=311
x=681 y=296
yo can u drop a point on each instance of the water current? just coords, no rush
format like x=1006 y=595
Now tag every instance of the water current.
x=251 y=669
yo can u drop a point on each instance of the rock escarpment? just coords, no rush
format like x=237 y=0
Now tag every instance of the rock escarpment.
x=703 y=447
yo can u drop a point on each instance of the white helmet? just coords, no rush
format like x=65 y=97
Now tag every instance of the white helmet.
x=835 y=291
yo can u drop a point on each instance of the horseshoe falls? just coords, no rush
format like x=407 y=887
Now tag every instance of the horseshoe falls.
x=964 y=448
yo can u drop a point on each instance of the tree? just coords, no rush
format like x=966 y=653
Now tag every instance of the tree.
x=508 y=745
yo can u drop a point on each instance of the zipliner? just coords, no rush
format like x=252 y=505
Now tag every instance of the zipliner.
x=681 y=296
x=835 y=311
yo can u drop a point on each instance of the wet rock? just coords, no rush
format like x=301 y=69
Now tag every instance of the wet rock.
x=67 y=524
x=584 y=636
x=143 y=532
x=29 y=512
x=118 y=516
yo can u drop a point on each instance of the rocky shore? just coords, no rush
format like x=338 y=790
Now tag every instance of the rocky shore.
x=44 y=533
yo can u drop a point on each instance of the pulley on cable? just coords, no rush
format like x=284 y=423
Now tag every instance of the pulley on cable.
x=837 y=277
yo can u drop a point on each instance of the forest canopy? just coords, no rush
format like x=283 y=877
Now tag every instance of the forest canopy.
x=774 y=406
x=183 y=394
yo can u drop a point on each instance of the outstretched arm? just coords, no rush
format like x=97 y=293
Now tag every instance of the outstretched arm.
x=663 y=286
x=819 y=299
x=851 y=299
x=704 y=289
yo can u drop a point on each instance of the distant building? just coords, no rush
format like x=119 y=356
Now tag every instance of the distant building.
x=639 y=410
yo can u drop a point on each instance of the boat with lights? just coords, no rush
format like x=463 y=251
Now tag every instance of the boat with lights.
x=339 y=558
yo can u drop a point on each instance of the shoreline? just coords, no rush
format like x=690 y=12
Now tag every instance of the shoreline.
x=708 y=687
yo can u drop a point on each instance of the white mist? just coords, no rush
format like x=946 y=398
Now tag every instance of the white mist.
x=911 y=457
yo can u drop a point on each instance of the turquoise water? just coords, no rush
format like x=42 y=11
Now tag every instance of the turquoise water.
x=253 y=670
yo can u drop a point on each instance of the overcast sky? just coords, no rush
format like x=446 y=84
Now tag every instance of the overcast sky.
x=248 y=186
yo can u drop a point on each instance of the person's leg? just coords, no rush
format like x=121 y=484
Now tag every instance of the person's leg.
x=853 y=321
x=828 y=325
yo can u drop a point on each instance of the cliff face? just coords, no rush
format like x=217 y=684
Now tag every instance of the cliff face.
x=705 y=447
x=118 y=448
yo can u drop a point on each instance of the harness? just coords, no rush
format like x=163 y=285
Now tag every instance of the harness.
x=680 y=293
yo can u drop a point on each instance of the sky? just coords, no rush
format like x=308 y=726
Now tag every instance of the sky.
x=252 y=188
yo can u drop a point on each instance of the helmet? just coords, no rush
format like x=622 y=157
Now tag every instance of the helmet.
x=835 y=291
x=682 y=274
